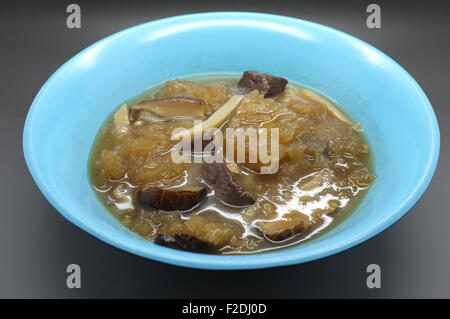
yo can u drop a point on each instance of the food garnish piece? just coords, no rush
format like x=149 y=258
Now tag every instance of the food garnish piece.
x=330 y=107
x=266 y=84
x=214 y=121
x=181 y=199
x=182 y=241
x=121 y=120
x=201 y=232
x=233 y=167
x=138 y=117
x=225 y=187
x=291 y=224
x=174 y=107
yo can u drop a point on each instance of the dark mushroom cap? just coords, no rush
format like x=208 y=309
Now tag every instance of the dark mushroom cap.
x=218 y=176
x=183 y=241
x=183 y=199
x=266 y=84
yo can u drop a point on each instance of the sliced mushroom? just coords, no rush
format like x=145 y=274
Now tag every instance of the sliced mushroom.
x=225 y=187
x=214 y=121
x=173 y=107
x=183 y=241
x=138 y=117
x=233 y=167
x=291 y=224
x=181 y=199
x=266 y=84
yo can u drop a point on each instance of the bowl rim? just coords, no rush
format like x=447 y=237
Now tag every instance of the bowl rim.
x=270 y=259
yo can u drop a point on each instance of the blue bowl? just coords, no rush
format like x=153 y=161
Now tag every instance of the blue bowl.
x=72 y=105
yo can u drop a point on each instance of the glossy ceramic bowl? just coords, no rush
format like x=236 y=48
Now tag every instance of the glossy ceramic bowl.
x=72 y=105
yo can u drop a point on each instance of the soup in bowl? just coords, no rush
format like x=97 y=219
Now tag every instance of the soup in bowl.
x=345 y=78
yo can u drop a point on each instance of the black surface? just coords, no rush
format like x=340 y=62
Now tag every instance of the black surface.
x=36 y=243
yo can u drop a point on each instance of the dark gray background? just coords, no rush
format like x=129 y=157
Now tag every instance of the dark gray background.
x=36 y=243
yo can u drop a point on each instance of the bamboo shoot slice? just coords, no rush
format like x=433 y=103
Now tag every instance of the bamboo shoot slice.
x=214 y=121
x=121 y=120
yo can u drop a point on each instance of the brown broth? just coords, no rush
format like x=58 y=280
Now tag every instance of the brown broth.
x=323 y=190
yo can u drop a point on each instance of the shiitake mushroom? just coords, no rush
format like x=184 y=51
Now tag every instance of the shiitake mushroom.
x=267 y=84
x=183 y=241
x=161 y=109
x=226 y=188
x=180 y=199
x=281 y=229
